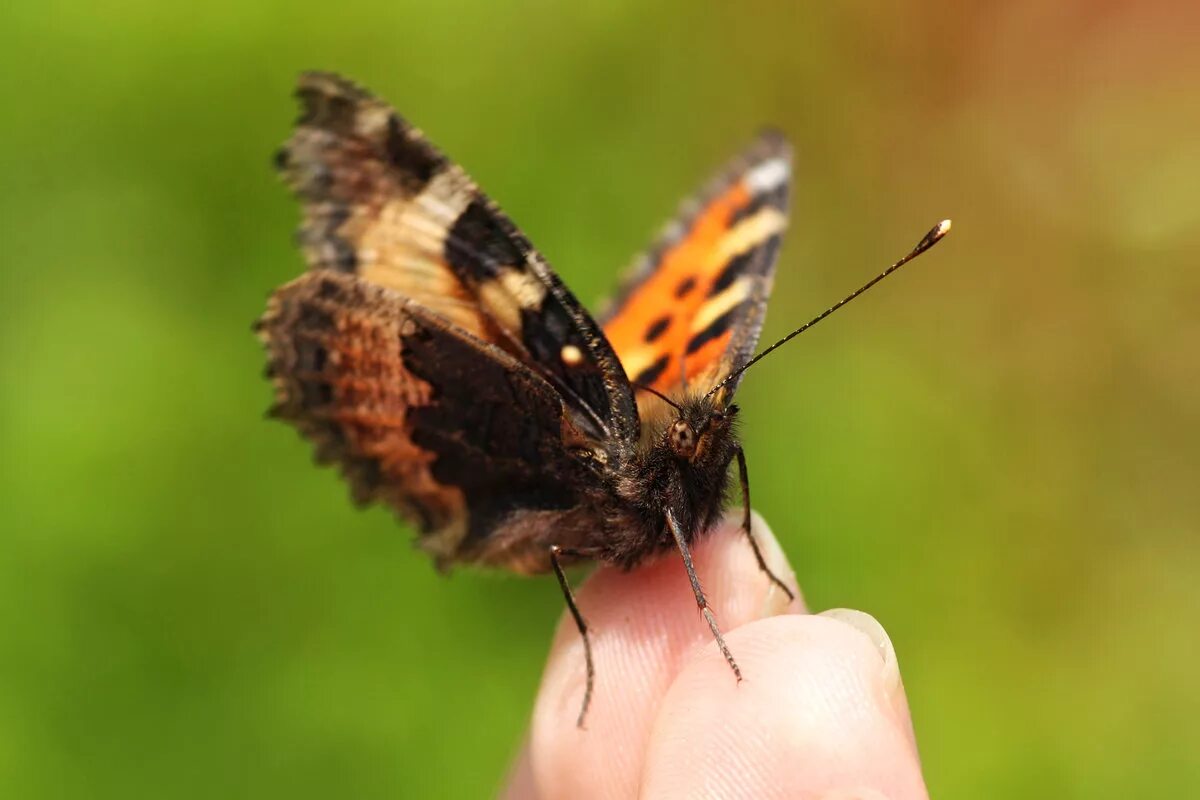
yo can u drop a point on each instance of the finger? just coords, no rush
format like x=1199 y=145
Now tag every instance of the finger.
x=643 y=624
x=821 y=713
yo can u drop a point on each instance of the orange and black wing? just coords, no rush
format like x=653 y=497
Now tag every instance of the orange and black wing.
x=430 y=351
x=453 y=432
x=693 y=306
x=382 y=204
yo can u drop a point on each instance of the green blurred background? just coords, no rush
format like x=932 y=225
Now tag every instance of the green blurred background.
x=996 y=454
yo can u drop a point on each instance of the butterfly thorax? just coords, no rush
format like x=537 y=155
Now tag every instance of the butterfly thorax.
x=681 y=465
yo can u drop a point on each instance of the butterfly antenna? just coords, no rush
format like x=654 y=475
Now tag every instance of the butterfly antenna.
x=929 y=240
x=659 y=395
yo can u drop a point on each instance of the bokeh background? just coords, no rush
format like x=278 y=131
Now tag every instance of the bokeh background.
x=997 y=454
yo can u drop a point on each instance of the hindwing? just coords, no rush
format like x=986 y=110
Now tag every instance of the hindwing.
x=447 y=429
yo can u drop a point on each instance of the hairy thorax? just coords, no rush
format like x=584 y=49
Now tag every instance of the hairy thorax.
x=682 y=465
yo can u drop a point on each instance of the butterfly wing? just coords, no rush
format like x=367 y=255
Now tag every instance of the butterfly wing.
x=383 y=204
x=693 y=304
x=453 y=432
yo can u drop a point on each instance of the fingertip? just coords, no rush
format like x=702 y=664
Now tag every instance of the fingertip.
x=816 y=714
x=889 y=676
x=643 y=624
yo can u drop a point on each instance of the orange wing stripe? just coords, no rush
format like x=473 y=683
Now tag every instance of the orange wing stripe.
x=676 y=291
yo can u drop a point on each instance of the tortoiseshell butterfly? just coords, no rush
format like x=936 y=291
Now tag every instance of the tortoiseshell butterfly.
x=432 y=353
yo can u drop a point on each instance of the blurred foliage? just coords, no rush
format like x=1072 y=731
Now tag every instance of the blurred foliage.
x=997 y=454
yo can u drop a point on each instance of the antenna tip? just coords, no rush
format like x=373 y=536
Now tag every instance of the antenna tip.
x=930 y=239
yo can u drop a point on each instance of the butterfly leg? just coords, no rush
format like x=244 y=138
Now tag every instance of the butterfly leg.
x=744 y=477
x=681 y=543
x=569 y=596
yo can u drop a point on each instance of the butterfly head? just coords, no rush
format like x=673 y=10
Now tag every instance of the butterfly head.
x=701 y=429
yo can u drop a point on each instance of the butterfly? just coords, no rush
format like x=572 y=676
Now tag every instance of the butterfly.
x=433 y=355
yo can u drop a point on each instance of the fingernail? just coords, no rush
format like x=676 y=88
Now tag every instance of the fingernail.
x=870 y=627
x=776 y=601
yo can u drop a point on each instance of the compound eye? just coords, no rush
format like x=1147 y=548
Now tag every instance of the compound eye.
x=683 y=439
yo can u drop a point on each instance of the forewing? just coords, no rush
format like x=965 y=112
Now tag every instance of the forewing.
x=453 y=432
x=694 y=303
x=383 y=204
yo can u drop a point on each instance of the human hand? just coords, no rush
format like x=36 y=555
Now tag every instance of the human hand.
x=821 y=712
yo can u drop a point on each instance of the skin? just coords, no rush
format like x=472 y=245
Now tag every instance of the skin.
x=821 y=712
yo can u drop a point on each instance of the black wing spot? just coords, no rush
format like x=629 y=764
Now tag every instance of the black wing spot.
x=415 y=160
x=685 y=287
x=657 y=329
x=651 y=373
x=477 y=247
x=755 y=261
x=732 y=271
x=714 y=329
